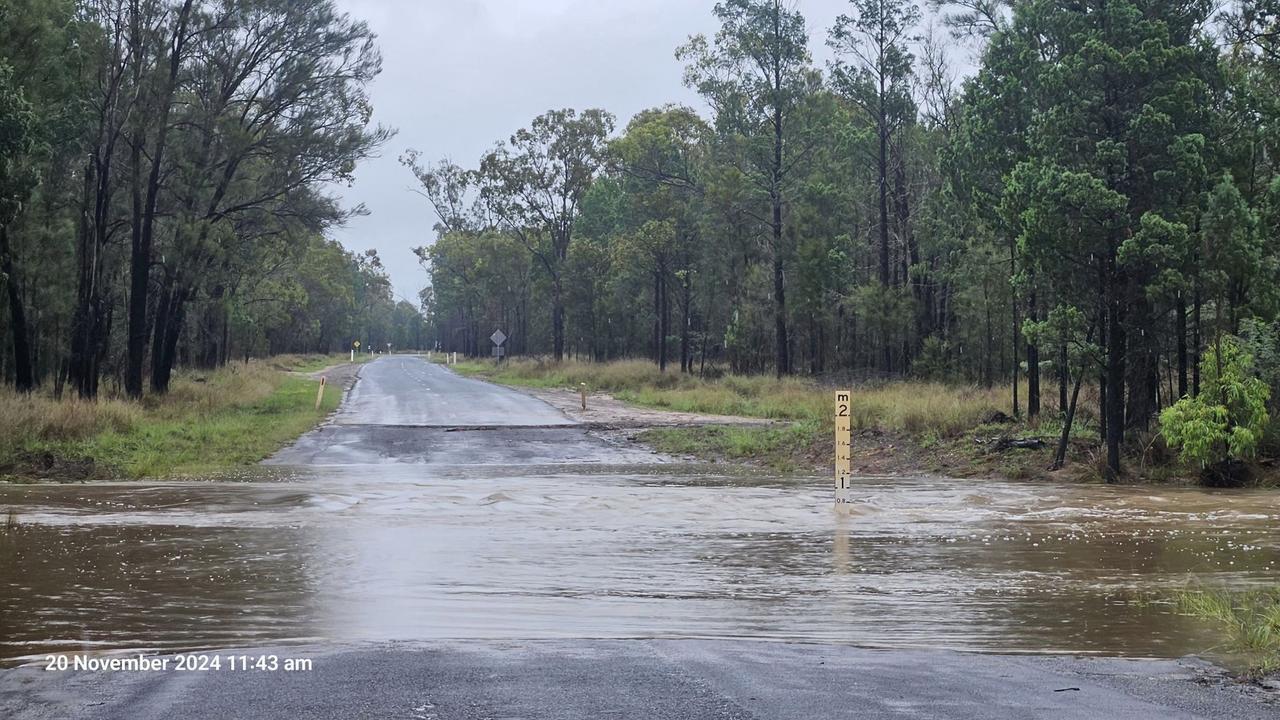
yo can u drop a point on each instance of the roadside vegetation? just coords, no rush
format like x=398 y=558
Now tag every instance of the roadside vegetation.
x=920 y=228
x=899 y=426
x=891 y=418
x=208 y=421
x=1250 y=622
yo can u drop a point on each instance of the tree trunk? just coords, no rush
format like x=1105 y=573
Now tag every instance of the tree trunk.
x=783 y=357
x=1064 y=378
x=1117 y=344
x=882 y=172
x=686 y=322
x=1013 y=313
x=1196 y=339
x=557 y=322
x=169 y=334
x=780 y=318
x=902 y=209
x=1033 y=360
x=24 y=379
x=1181 y=332
x=657 y=317
x=145 y=215
x=664 y=328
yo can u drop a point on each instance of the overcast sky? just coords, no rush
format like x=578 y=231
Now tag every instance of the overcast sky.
x=458 y=75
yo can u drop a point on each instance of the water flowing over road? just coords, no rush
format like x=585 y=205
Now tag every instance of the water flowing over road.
x=440 y=510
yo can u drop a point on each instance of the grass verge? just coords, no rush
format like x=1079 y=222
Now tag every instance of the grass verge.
x=888 y=417
x=314 y=362
x=1250 y=621
x=233 y=417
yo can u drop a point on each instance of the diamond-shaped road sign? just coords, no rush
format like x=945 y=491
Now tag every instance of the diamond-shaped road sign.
x=498 y=337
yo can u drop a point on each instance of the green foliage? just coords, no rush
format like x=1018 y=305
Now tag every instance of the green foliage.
x=1228 y=418
x=1251 y=621
x=16 y=141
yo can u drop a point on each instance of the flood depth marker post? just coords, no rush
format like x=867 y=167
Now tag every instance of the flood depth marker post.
x=844 y=449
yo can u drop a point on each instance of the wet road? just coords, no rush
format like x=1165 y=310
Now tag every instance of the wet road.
x=404 y=410
x=409 y=391
x=435 y=573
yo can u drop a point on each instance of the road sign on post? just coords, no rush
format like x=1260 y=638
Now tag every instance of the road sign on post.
x=844 y=448
x=498 y=337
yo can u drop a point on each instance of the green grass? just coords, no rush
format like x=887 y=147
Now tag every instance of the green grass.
x=928 y=413
x=1250 y=622
x=913 y=408
x=315 y=363
x=782 y=448
x=231 y=418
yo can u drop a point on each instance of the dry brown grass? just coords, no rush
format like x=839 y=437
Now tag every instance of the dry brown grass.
x=915 y=408
x=27 y=420
x=24 y=418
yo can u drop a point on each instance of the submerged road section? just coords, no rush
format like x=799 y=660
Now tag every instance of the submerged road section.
x=447 y=548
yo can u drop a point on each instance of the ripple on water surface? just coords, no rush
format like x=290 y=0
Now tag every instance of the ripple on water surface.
x=399 y=553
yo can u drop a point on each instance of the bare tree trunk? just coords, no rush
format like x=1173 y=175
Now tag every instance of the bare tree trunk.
x=1196 y=339
x=557 y=322
x=24 y=379
x=1181 y=331
x=1013 y=313
x=1033 y=361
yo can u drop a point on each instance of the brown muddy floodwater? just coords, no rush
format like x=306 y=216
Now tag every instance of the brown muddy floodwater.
x=398 y=553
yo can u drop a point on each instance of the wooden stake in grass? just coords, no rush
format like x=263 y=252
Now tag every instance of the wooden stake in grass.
x=844 y=449
x=320 y=393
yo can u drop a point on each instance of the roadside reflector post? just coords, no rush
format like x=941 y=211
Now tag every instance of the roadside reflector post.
x=582 y=391
x=844 y=449
x=320 y=393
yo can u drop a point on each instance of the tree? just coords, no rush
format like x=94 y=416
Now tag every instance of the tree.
x=146 y=198
x=1227 y=420
x=281 y=109
x=879 y=82
x=757 y=76
x=1117 y=91
x=533 y=185
x=662 y=157
x=16 y=183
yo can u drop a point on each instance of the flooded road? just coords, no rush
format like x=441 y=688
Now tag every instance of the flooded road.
x=396 y=553
x=377 y=529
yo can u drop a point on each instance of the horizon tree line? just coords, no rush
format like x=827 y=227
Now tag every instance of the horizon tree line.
x=1096 y=206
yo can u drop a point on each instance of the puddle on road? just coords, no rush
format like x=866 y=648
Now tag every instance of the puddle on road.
x=386 y=553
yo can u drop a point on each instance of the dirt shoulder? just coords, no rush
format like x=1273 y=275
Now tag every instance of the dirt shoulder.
x=607 y=412
x=343 y=375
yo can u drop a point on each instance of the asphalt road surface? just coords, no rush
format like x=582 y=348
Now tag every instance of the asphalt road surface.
x=670 y=680
x=437 y=427
x=407 y=411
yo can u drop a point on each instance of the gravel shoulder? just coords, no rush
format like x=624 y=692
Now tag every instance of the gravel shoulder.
x=605 y=411
x=343 y=375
